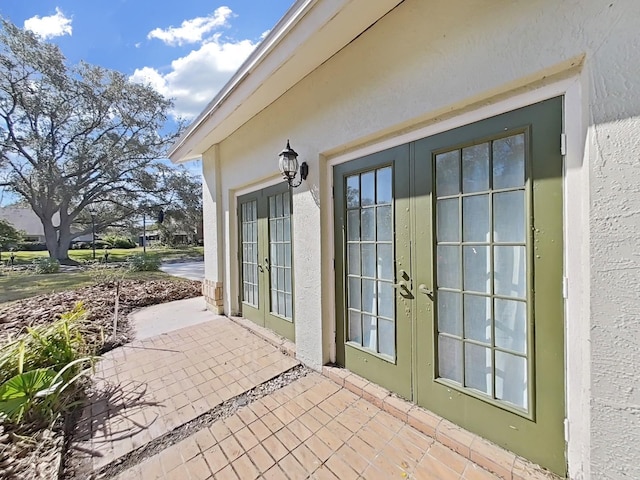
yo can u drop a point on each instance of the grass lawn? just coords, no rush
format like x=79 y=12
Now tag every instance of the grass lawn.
x=17 y=285
x=115 y=254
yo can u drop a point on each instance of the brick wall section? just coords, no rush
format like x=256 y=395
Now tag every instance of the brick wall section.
x=212 y=292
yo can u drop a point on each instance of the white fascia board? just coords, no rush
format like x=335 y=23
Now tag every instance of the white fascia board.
x=309 y=33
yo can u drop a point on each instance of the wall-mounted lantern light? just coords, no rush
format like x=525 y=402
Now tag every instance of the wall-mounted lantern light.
x=288 y=164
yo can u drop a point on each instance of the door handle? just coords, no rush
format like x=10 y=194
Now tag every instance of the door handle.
x=266 y=263
x=260 y=268
x=401 y=284
x=422 y=288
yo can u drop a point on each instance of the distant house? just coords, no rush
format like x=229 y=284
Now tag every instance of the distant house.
x=25 y=220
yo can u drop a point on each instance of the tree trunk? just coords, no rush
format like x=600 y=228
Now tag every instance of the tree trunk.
x=50 y=236
x=57 y=240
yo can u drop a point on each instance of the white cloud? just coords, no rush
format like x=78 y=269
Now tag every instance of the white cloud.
x=193 y=80
x=49 y=27
x=194 y=30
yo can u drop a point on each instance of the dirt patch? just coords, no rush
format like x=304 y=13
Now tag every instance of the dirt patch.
x=99 y=302
x=38 y=456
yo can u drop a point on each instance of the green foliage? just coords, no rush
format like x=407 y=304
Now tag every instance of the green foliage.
x=78 y=136
x=19 y=394
x=9 y=236
x=46 y=265
x=37 y=369
x=117 y=241
x=144 y=263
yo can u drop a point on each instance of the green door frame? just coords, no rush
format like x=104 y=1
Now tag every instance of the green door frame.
x=262 y=314
x=538 y=432
x=393 y=373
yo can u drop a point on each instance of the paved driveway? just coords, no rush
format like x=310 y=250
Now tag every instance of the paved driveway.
x=190 y=270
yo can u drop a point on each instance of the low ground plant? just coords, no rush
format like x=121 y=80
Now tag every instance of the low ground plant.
x=142 y=262
x=39 y=372
x=46 y=265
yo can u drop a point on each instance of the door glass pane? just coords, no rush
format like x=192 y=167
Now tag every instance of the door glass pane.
x=353 y=191
x=448 y=173
x=482 y=278
x=510 y=271
x=368 y=189
x=354 y=298
x=476 y=219
x=355 y=327
x=508 y=216
x=511 y=325
x=508 y=162
x=369 y=300
x=511 y=379
x=448 y=228
x=385 y=261
x=450 y=358
x=249 y=228
x=384 y=186
x=475 y=168
x=477 y=367
x=370 y=261
x=370 y=332
x=353 y=225
x=368 y=220
x=386 y=300
x=387 y=337
x=449 y=313
x=385 y=228
x=448 y=266
x=477 y=269
x=477 y=318
x=280 y=255
x=353 y=258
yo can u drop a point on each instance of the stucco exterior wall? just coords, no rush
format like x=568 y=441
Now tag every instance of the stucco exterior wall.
x=427 y=61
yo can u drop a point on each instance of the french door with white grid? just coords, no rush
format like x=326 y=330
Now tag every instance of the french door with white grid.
x=265 y=258
x=449 y=276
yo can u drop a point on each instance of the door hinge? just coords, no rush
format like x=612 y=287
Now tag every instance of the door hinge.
x=333 y=192
x=563 y=143
x=565 y=287
x=334 y=264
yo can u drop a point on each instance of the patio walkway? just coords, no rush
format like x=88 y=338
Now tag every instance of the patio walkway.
x=311 y=427
x=149 y=387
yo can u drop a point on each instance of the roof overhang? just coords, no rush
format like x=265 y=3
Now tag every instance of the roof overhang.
x=310 y=33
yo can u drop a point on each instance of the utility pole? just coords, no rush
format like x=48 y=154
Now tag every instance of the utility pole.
x=93 y=231
x=144 y=232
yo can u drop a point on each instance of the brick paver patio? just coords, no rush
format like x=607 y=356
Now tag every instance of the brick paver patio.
x=149 y=387
x=337 y=426
x=313 y=429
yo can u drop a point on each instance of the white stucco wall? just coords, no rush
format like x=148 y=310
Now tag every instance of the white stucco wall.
x=427 y=61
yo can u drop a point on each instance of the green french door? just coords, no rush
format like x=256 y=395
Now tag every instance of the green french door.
x=477 y=258
x=265 y=258
x=374 y=285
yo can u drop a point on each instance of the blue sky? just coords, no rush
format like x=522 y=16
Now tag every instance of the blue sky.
x=186 y=49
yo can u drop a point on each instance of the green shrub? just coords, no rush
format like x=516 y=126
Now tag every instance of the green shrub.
x=37 y=369
x=46 y=265
x=144 y=263
x=117 y=241
x=32 y=246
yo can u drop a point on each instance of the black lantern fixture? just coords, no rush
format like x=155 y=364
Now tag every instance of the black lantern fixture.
x=288 y=164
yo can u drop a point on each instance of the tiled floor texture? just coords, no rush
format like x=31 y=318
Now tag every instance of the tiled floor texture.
x=150 y=387
x=337 y=426
x=313 y=429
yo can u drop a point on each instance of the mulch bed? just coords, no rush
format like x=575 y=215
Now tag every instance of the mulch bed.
x=39 y=458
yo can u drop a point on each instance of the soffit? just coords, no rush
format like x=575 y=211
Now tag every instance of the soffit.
x=309 y=34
